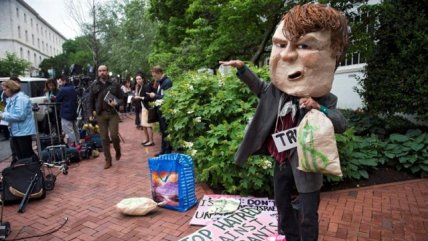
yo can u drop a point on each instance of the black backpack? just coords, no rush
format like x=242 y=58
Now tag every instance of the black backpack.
x=17 y=178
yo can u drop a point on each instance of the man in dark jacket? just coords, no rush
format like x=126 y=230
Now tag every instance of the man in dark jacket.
x=164 y=83
x=67 y=96
x=104 y=96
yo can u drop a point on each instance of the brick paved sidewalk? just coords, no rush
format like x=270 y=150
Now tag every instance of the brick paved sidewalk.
x=88 y=194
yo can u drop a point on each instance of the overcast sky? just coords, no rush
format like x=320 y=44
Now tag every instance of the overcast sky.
x=55 y=12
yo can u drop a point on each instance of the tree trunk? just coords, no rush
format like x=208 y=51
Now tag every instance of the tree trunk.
x=266 y=37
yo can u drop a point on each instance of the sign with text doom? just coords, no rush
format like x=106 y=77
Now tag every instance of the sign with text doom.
x=203 y=216
x=243 y=224
x=285 y=140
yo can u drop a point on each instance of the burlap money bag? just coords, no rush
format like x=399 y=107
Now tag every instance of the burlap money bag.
x=316 y=145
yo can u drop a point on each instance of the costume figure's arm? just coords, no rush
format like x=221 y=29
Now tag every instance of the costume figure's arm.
x=336 y=117
x=253 y=82
x=328 y=107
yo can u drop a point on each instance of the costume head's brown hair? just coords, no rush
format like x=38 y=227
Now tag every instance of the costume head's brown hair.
x=313 y=17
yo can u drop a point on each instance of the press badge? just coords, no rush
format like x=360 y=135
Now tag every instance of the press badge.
x=285 y=140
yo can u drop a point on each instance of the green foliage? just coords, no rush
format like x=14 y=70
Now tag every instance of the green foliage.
x=200 y=33
x=367 y=123
x=75 y=51
x=207 y=115
x=11 y=65
x=396 y=73
x=127 y=36
x=358 y=155
x=409 y=151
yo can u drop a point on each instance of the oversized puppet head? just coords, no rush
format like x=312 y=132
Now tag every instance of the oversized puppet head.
x=307 y=47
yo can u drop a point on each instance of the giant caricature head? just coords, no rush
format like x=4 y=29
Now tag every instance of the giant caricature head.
x=307 y=46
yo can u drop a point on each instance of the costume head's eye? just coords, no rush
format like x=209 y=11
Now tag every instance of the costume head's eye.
x=280 y=45
x=303 y=46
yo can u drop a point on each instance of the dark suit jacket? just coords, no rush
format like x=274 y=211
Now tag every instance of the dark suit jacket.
x=264 y=119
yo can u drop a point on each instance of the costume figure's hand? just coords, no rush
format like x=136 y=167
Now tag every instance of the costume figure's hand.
x=234 y=63
x=151 y=94
x=308 y=103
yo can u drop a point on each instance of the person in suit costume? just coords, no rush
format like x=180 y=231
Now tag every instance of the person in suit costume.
x=307 y=47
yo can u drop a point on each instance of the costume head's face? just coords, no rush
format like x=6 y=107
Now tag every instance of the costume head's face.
x=304 y=67
x=306 y=48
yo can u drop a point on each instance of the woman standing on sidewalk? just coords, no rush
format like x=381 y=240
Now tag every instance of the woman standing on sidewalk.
x=143 y=103
x=18 y=113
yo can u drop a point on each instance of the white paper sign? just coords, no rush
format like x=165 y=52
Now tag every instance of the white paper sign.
x=202 y=216
x=244 y=224
x=285 y=140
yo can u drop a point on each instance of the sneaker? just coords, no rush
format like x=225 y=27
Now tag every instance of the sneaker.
x=118 y=155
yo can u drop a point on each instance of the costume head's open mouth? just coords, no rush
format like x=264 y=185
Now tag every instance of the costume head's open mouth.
x=295 y=75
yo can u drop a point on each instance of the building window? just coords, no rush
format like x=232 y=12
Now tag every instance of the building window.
x=32 y=39
x=17 y=12
x=37 y=27
x=43 y=45
x=21 y=53
x=35 y=59
x=26 y=36
x=28 y=55
x=31 y=23
x=38 y=43
x=19 y=31
x=25 y=18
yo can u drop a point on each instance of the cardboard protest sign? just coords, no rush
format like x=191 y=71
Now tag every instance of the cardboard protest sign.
x=202 y=216
x=243 y=224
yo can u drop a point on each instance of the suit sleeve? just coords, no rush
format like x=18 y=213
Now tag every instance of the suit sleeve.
x=256 y=85
x=336 y=117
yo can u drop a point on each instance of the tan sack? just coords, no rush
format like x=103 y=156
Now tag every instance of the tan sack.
x=136 y=206
x=316 y=145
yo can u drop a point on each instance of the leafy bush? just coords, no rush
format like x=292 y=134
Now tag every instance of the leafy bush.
x=358 y=155
x=396 y=72
x=207 y=116
x=409 y=151
x=367 y=123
